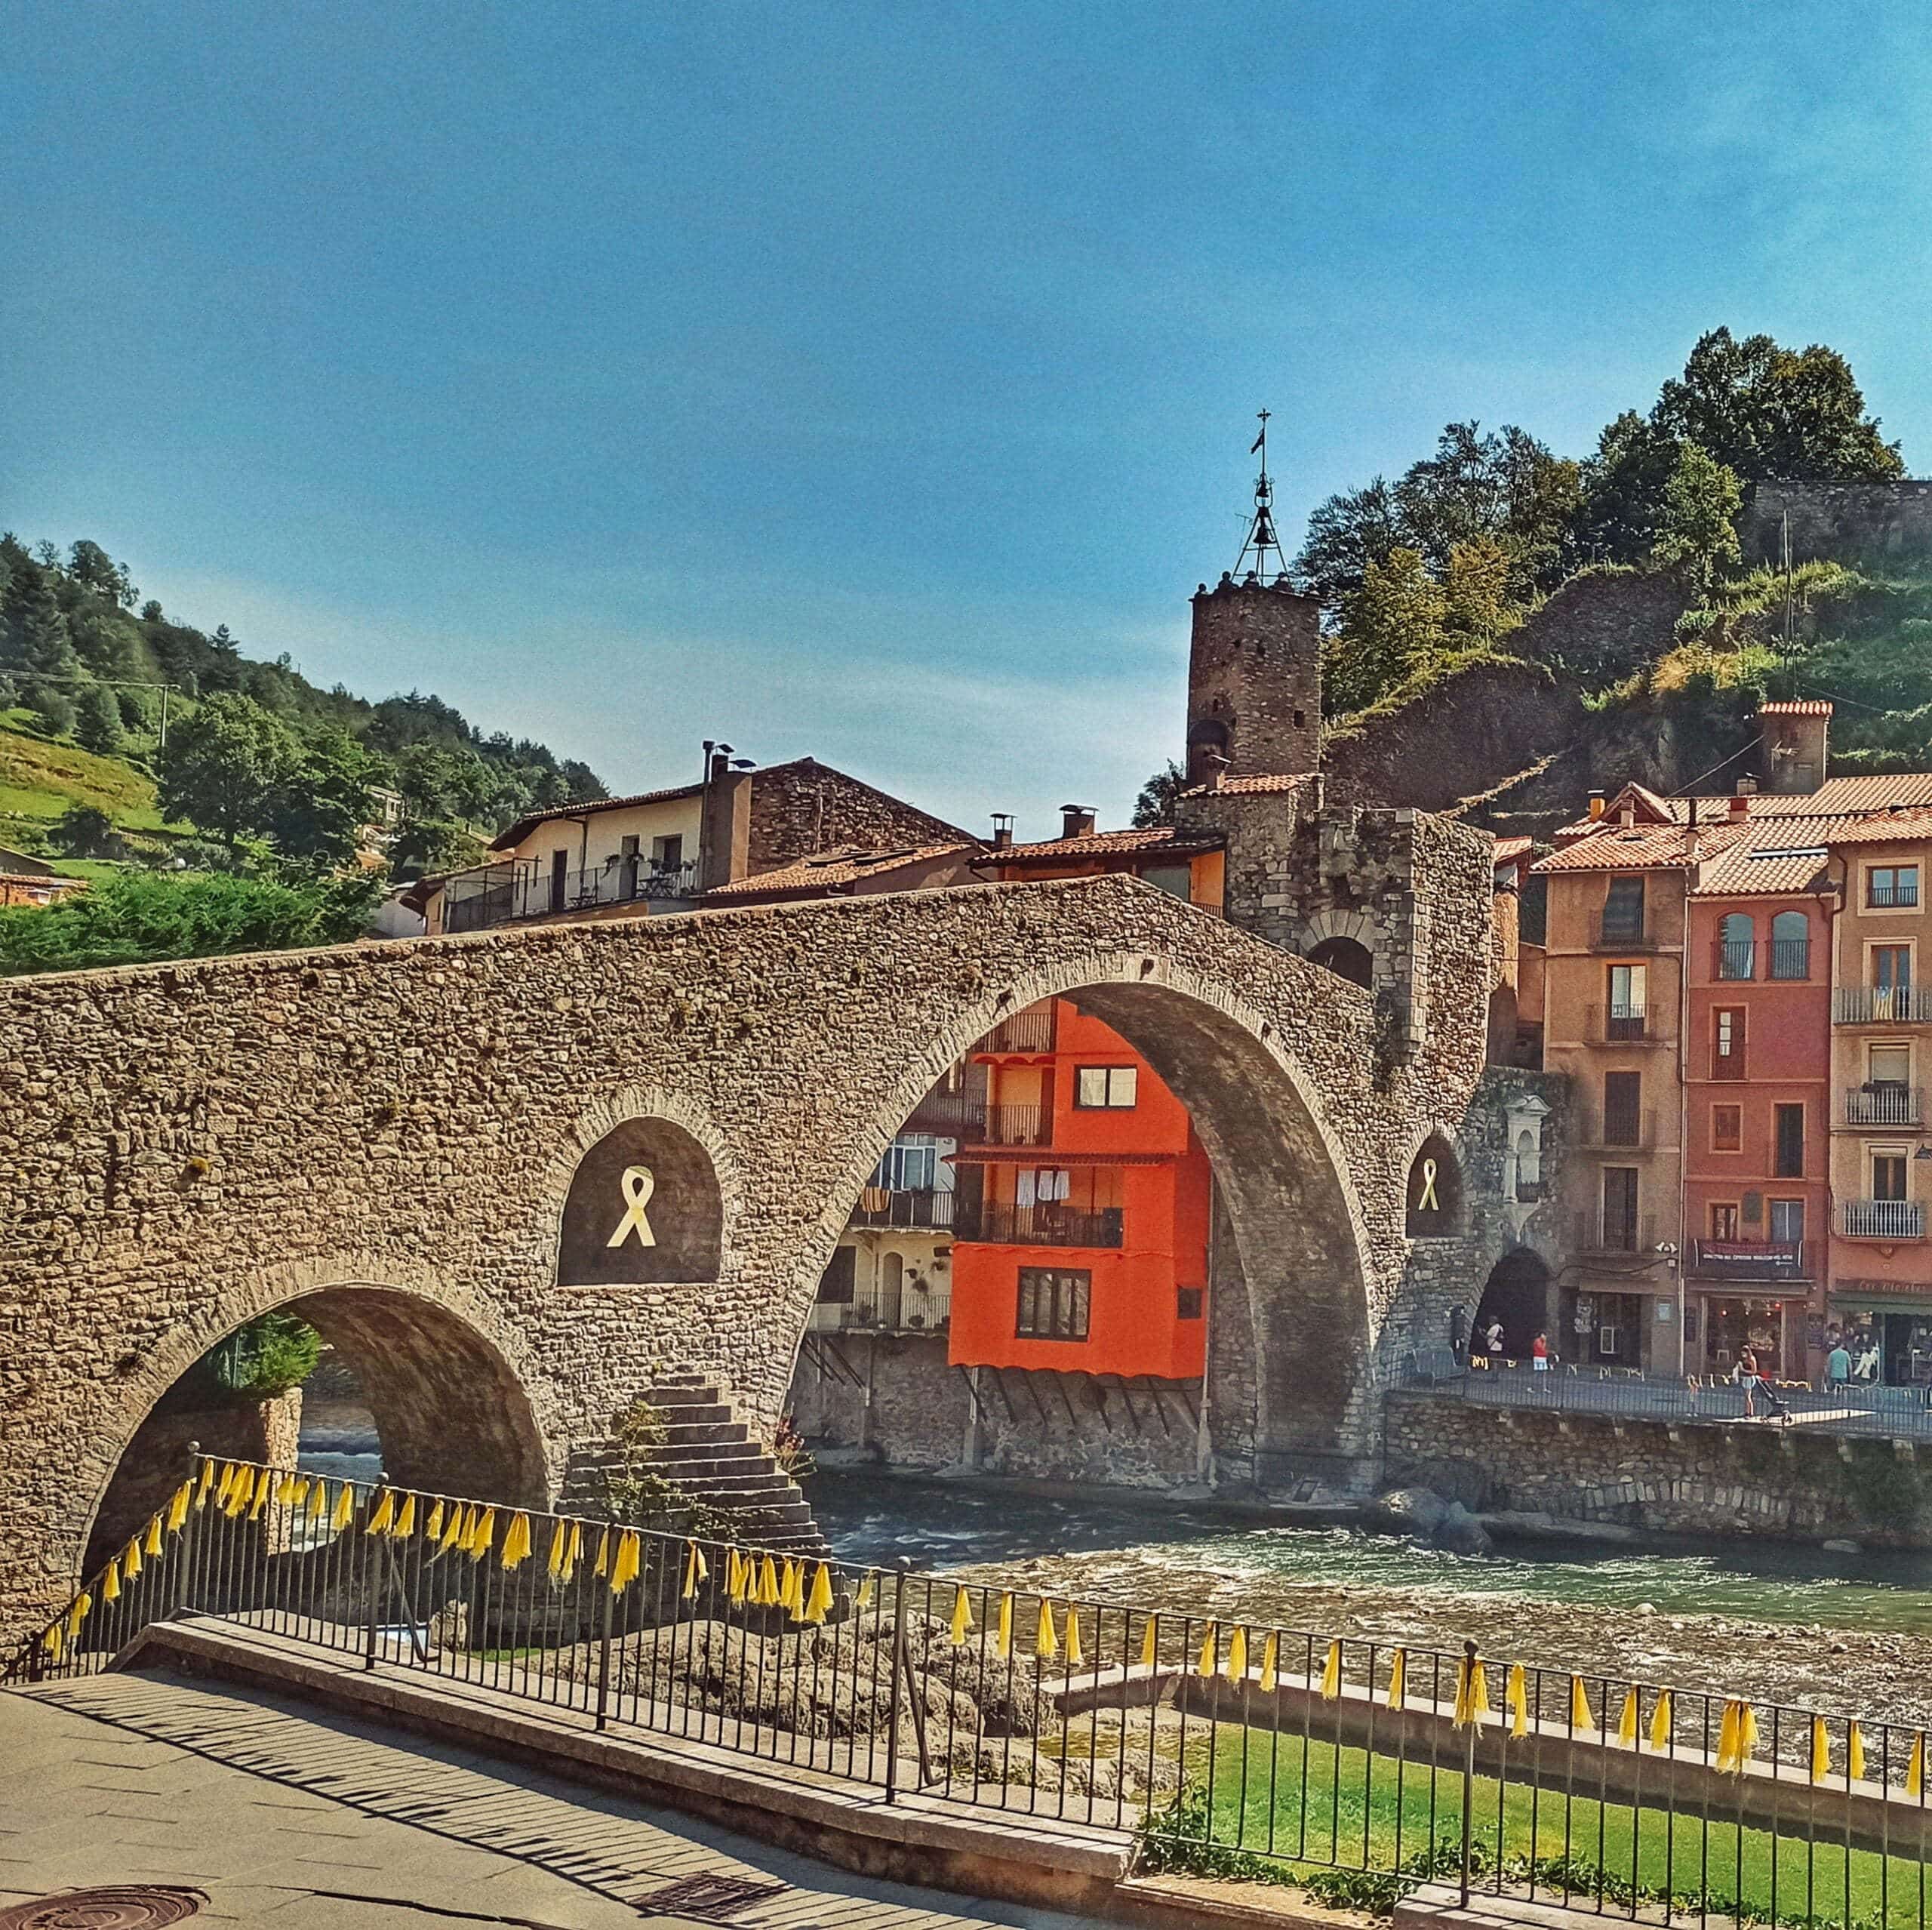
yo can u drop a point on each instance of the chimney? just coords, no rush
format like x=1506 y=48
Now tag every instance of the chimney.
x=1596 y=804
x=726 y=823
x=1741 y=806
x=1002 y=830
x=1076 y=820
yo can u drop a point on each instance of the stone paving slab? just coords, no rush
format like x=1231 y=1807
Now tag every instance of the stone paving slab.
x=288 y=1816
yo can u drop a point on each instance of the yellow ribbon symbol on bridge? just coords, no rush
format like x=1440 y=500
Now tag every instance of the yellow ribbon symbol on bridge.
x=639 y=1183
x=1428 y=1203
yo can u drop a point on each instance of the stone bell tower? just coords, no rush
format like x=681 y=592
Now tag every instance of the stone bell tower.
x=1254 y=666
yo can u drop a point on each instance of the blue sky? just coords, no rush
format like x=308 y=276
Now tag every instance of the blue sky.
x=875 y=380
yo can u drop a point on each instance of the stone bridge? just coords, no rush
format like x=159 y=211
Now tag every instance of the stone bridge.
x=394 y=1140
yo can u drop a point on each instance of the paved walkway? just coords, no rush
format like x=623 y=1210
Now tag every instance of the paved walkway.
x=308 y=1820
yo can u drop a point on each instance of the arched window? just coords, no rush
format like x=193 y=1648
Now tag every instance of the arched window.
x=1207 y=747
x=1435 y=1190
x=892 y=1290
x=1791 y=945
x=1529 y=1165
x=1737 y=946
x=1346 y=959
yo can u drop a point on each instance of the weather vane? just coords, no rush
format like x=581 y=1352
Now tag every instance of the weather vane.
x=1261 y=537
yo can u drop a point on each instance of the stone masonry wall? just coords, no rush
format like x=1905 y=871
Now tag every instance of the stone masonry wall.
x=805 y=806
x=1697 y=1479
x=1839 y=521
x=384 y=1136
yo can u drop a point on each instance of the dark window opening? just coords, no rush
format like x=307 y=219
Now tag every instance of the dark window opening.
x=1188 y=1302
x=1346 y=959
x=1789 y=1163
x=835 y=1284
x=1054 y=1304
x=1622 y=1108
x=1623 y=911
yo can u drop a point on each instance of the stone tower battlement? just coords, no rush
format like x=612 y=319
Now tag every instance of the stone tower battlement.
x=1253 y=680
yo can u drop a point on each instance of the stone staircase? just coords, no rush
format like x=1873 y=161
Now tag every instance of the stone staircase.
x=708 y=1455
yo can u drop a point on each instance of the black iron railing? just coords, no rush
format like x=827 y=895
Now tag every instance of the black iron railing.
x=1016 y=1126
x=1230 y=1748
x=1029 y=1031
x=907 y=1206
x=1051 y=1224
x=1734 y=958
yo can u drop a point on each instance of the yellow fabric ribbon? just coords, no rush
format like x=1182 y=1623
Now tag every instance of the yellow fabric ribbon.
x=55 y=1642
x=1148 y=1649
x=458 y=1527
x=264 y=1487
x=1075 y=1655
x=483 y=1536
x=225 y=1486
x=83 y=1607
x=1204 y=1663
x=1915 y=1768
x=734 y=1577
x=792 y=1589
x=319 y=1501
x=516 y=1541
x=1854 y=1753
x=1270 y=1661
x=1398 y=1678
x=433 y=1528
x=1737 y=1738
x=1046 y=1637
x=697 y=1569
x=1331 y=1674
x=1660 y=1721
x=605 y=1547
x=1583 y=1720
x=177 y=1508
x=962 y=1620
x=1472 y=1693
x=863 y=1600
x=629 y=1560
x=201 y=1486
x=284 y=1489
x=405 y=1519
x=818 y=1603
x=1516 y=1700
x=1003 y=1632
x=130 y=1560
x=1626 y=1720
x=345 y=1509
x=298 y=1493
x=153 y=1544
x=383 y=1520
x=1821 y=1750
x=766 y=1596
x=110 y=1586
x=1238 y=1656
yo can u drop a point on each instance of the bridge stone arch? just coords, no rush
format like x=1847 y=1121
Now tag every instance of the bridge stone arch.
x=189 y=1144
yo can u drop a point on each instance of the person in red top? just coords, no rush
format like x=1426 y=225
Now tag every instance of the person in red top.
x=1539 y=1353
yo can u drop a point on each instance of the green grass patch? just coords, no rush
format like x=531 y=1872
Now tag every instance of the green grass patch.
x=40 y=778
x=1278 y=1808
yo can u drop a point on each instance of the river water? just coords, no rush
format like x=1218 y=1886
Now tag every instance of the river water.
x=1773 y=1621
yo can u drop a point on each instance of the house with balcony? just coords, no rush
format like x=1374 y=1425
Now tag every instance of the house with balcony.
x=1081 y=1226
x=665 y=850
x=1881 y=1296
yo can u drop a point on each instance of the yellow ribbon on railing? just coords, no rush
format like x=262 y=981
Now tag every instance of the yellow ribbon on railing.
x=458 y=1526
x=1915 y=1768
x=405 y=1519
x=110 y=1583
x=1854 y=1753
x=433 y=1528
x=1331 y=1674
x=1583 y=1718
x=1210 y=1643
x=863 y=1601
x=516 y=1542
x=54 y=1642
x=345 y=1509
x=1821 y=1750
x=264 y=1487
x=1660 y=1721
x=818 y=1603
x=1270 y=1663
x=697 y=1569
x=1737 y=1738
x=319 y=1501
x=573 y=1553
x=1046 y=1637
x=628 y=1559
x=791 y=1590
x=734 y=1577
x=606 y=1546
x=1237 y=1661
x=131 y=1559
x=1149 y=1643
x=1398 y=1679
x=1075 y=1656
x=1626 y=1722
x=285 y=1490
x=962 y=1620
x=153 y=1544
x=1003 y=1632
x=177 y=1507
x=383 y=1519
x=1516 y=1700
x=225 y=1486
x=83 y=1607
x=1472 y=1693
x=202 y=1485
x=766 y=1596
x=483 y=1537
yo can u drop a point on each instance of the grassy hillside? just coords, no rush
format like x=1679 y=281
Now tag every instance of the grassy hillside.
x=40 y=779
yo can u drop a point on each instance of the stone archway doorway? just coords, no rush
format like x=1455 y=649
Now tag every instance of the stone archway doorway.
x=1516 y=1298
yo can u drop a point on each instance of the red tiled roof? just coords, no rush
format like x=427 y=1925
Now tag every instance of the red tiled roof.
x=1509 y=850
x=1778 y=856
x=828 y=871
x=1797 y=707
x=1615 y=847
x=1837 y=797
x=1267 y=781
x=590 y=807
x=1904 y=822
x=1158 y=838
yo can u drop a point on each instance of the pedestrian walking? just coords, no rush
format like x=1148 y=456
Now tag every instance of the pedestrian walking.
x=1539 y=1353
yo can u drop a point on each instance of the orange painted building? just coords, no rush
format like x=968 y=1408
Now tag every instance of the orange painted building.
x=1080 y=1244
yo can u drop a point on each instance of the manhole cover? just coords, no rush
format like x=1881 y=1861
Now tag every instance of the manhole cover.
x=704 y=1896
x=125 y=1907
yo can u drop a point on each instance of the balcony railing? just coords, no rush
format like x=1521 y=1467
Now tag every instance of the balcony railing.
x=1882 y=1004
x=1736 y=958
x=949 y=1115
x=1029 y=1031
x=1612 y=1233
x=1054 y=1224
x=1618 y=1129
x=1881 y=1103
x=1016 y=1126
x=500 y=893
x=1791 y=958
x=1620 y=1025
x=1901 y=896
x=1620 y=934
x=1768 y=1260
x=913 y=1308
x=1882 y=1220
x=908 y=1206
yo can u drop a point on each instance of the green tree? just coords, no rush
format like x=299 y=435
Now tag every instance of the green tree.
x=97 y=721
x=1622 y=490
x=1765 y=410
x=87 y=831
x=1158 y=795
x=34 y=646
x=1392 y=627
x=89 y=565
x=317 y=808
x=1477 y=606
x=223 y=768
x=1697 y=524
x=134 y=917
x=427 y=846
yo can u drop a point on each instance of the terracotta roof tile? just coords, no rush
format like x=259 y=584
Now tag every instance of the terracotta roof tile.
x=829 y=871
x=1796 y=706
x=1509 y=850
x=1267 y=781
x=1160 y=837
x=1882 y=825
x=1637 y=848
x=1779 y=856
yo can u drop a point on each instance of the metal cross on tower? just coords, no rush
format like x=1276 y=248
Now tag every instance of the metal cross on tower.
x=1261 y=538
